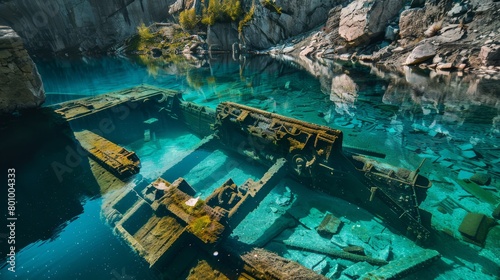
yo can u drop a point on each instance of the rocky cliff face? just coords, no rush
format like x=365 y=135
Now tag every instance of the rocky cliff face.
x=441 y=35
x=20 y=83
x=269 y=27
x=79 y=25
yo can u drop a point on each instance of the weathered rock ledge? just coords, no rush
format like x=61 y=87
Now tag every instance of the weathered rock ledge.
x=20 y=84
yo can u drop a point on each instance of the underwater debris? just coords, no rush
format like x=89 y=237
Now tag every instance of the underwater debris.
x=203 y=270
x=159 y=223
x=155 y=220
x=157 y=229
x=315 y=157
x=314 y=153
x=401 y=267
x=267 y=265
x=72 y=110
x=329 y=226
x=478 y=192
x=117 y=160
x=474 y=228
x=327 y=250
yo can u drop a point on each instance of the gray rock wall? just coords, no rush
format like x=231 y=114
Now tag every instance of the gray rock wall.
x=221 y=36
x=20 y=83
x=79 y=25
x=268 y=28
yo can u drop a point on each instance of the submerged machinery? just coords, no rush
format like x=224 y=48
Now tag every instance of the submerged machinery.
x=316 y=157
x=159 y=218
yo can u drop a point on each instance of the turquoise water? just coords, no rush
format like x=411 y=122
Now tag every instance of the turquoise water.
x=453 y=122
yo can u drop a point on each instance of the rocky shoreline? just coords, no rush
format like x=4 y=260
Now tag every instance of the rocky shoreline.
x=472 y=48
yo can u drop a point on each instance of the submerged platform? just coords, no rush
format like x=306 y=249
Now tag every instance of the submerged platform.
x=76 y=109
x=117 y=160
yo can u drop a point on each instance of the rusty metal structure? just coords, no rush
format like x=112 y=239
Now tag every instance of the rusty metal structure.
x=117 y=160
x=316 y=157
x=159 y=219
x=164 y=217
x=80 y=108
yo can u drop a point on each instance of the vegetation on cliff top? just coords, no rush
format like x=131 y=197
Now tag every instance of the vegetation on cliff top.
x=188 y=19
x=221 y=11
x=215 y=11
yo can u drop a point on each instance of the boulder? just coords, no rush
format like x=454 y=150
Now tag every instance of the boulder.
x=490 y=55
x=307 y=51
x=20 y=84
x=474 y=228
x=450 y=34
x=421 y=53
x=412 y=23
x=181 y=5
x=362 y=20
x=176 y=7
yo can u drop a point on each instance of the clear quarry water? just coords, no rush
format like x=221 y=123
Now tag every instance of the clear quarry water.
x=451 y=121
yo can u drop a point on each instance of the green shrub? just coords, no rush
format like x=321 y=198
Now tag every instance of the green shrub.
x=232 y=9
x=221 y=11
x=188 y=19
x=144 y=32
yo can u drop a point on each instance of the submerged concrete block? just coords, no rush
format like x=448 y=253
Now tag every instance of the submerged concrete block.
x=475 y=227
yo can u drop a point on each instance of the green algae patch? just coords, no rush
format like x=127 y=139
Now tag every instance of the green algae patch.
x=206 y=229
